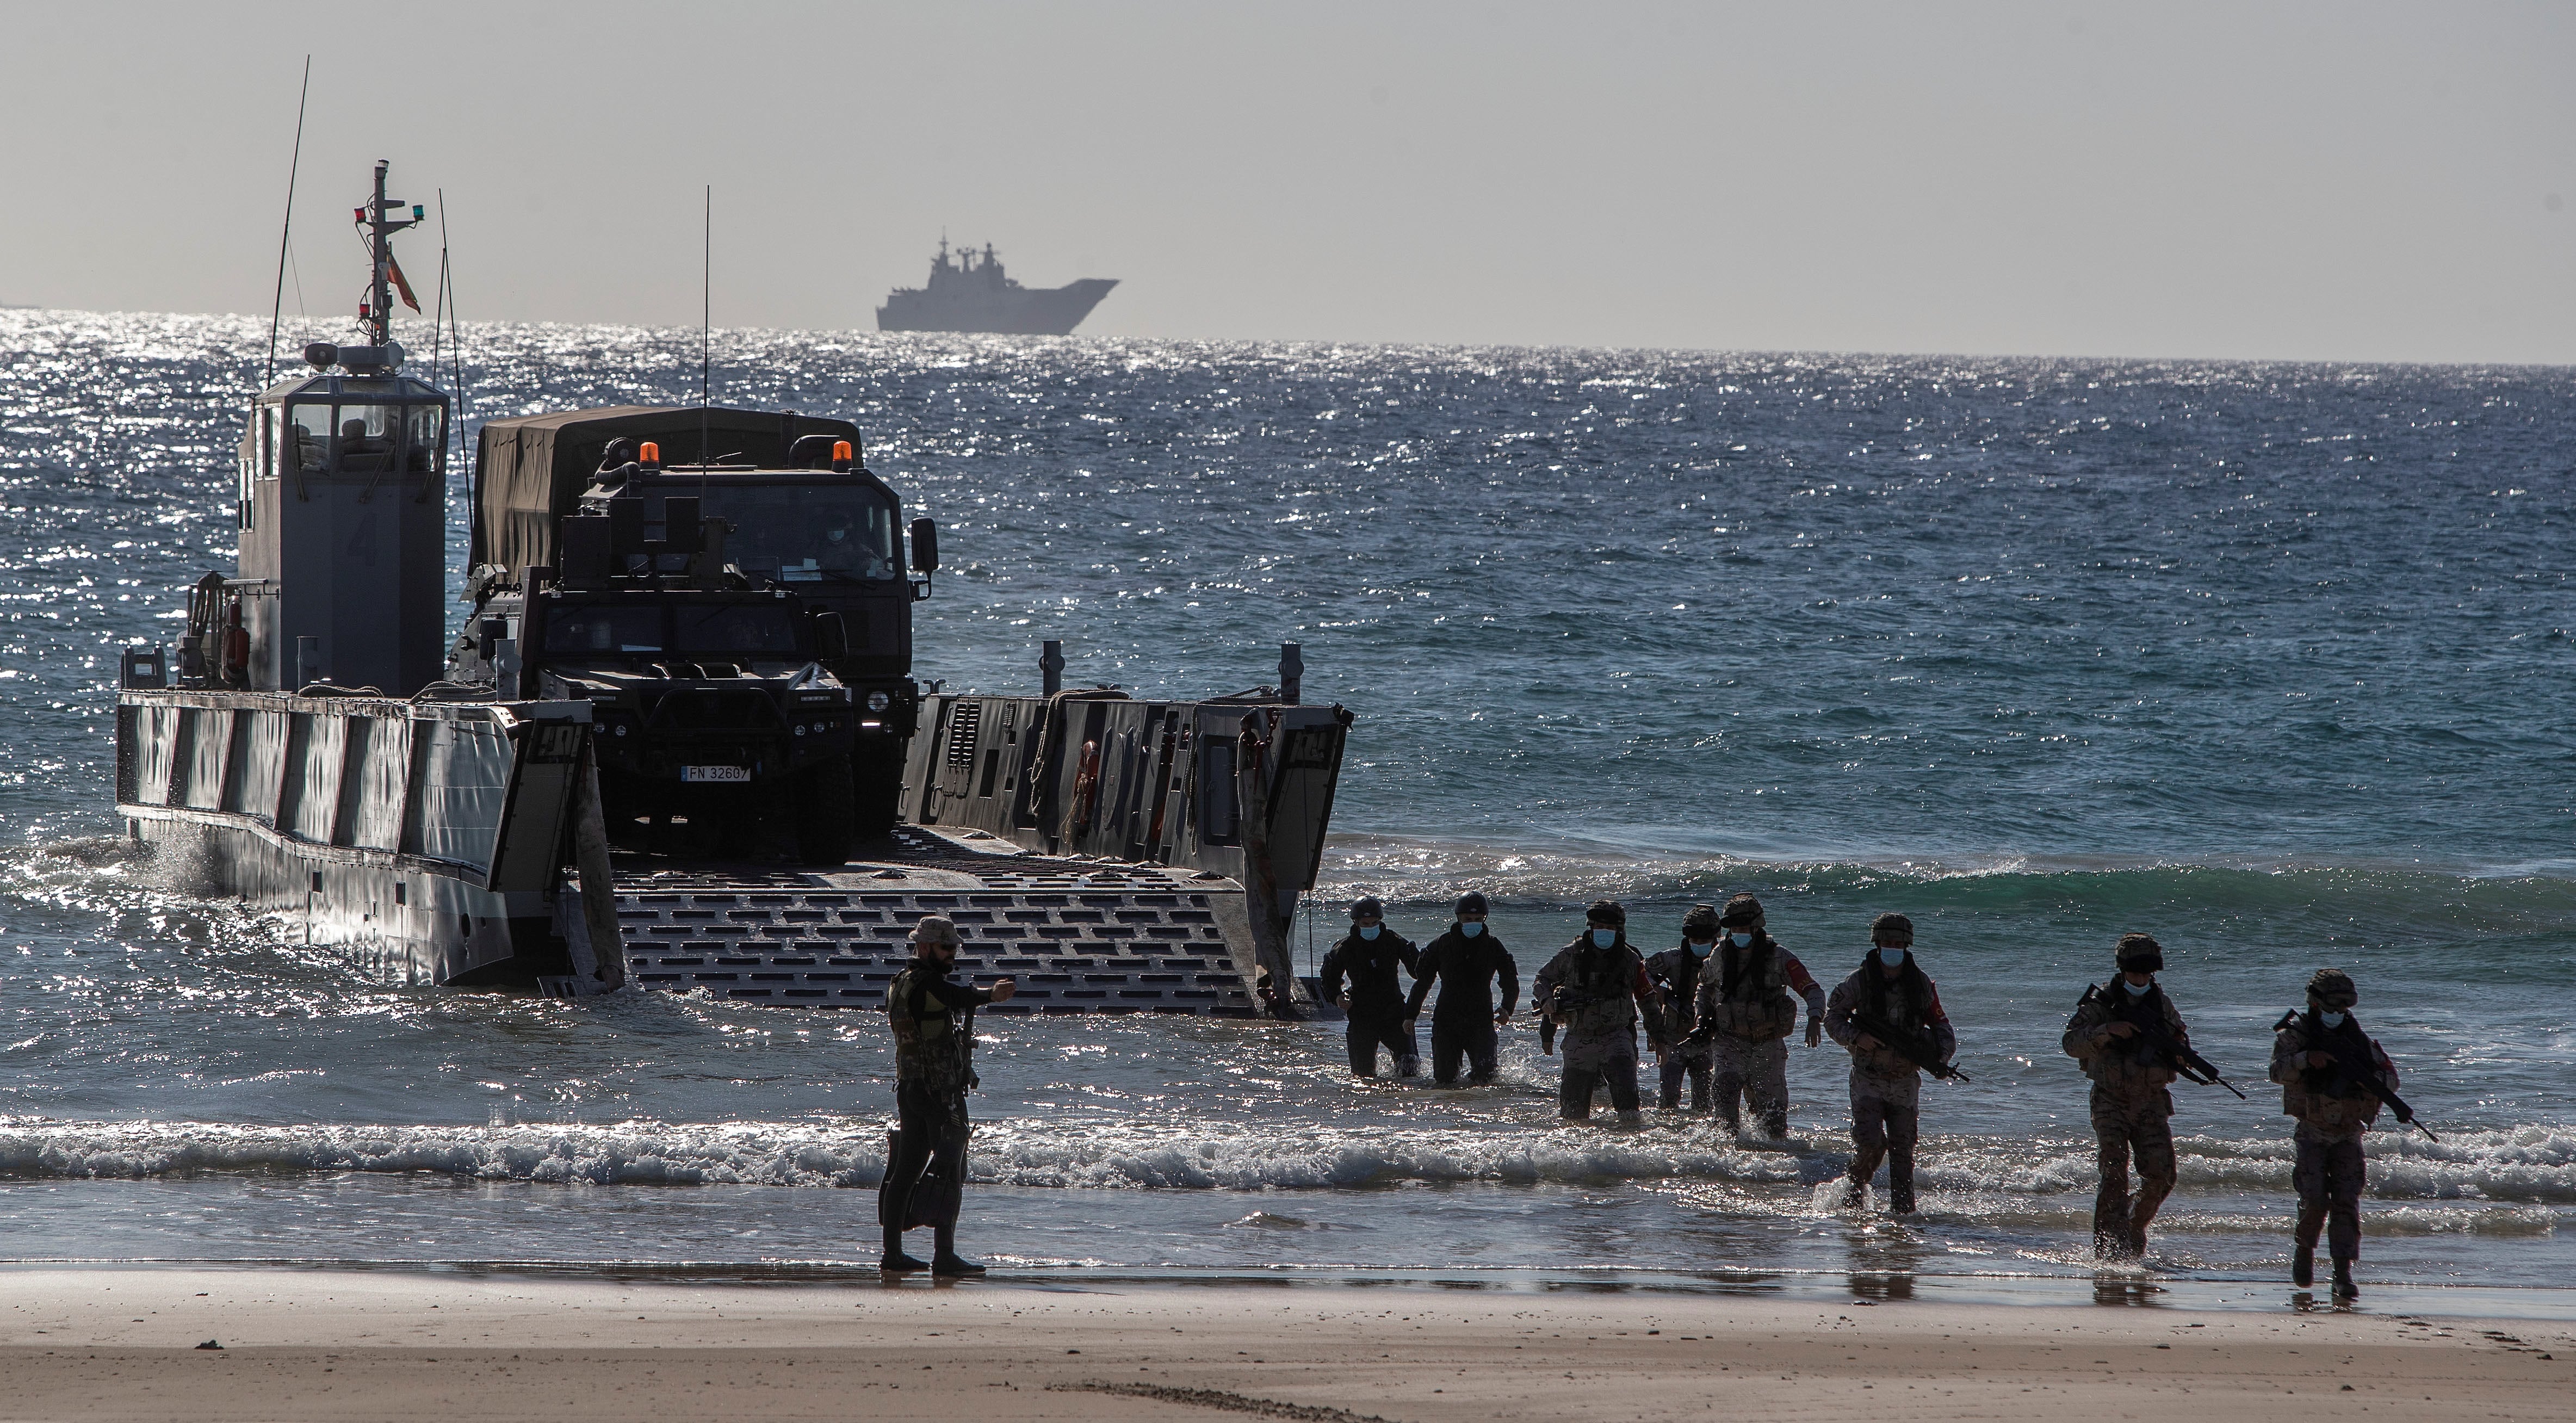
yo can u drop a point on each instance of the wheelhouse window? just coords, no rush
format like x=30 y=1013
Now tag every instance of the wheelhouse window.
x=363 y=437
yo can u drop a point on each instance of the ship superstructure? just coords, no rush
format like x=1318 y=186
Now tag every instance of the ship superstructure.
x=970 y=291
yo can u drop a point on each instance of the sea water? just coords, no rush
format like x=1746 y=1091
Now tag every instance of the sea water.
x=2270 y=661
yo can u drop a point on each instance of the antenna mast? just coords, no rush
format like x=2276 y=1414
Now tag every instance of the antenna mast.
x=277 y=308
x=706 y=325
x=377 y=317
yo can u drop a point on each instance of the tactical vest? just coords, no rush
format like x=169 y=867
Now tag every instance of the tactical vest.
x=2310 y=1098
x=1602 y=986
x=1760 y=1007
x=2128 y=1060
x=929 y=1047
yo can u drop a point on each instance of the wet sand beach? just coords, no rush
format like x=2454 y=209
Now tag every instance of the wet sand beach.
x=120 y=1343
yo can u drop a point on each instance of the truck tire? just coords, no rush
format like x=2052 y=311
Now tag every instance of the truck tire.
x=878 y=798
x=825 y=813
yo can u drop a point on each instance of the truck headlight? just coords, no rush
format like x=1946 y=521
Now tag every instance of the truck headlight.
x=879 y=701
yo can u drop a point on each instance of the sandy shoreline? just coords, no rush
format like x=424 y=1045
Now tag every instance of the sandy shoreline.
x=119 y=1343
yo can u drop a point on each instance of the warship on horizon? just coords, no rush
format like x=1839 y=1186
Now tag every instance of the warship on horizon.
x=970 y=292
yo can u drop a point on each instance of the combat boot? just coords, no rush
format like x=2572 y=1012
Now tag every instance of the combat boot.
x=2137 y=1242
x=1855 y=1195
x=1900 y=1197
x=2344 y=1288
x=2303 y=1266
x=1408 y=1067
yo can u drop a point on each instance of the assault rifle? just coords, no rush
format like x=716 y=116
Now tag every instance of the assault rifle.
x=1911 y=1047
x=2188 y=1065
x=1561 y=999
x=2350 y=1071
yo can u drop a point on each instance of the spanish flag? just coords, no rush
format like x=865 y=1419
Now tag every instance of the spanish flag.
x=394 y=269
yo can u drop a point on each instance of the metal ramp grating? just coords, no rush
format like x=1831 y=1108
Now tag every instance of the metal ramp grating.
x=1144 y=943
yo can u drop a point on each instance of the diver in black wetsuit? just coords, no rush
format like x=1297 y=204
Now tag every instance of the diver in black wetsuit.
x=1466 y=960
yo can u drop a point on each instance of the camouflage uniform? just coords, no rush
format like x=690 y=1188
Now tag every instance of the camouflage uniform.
x=1600 y=994
x=1886 y=1090
x=2132 y=1109
x=1677 y=976
x=933 y=1018
x=1748 y=1022
x=2329 y=1172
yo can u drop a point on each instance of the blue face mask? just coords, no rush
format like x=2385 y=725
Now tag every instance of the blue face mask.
x=1368 y=931
x=1605 y=938
x=1702 y=950
x=1893 y=958
x=1740 y=940
x=2330 y=1018
x=1471 y=927
x=2136 y=990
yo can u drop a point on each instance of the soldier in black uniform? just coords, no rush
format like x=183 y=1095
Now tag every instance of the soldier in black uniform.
x=1466 y=960
x=933 y=1017
x=1370 y=956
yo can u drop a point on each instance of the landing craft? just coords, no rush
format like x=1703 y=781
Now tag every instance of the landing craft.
x=676 y=704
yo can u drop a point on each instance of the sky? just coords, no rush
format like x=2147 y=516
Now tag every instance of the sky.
x=2356 y=181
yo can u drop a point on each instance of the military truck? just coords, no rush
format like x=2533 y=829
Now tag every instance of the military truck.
x=805 y=516
x=712 y=702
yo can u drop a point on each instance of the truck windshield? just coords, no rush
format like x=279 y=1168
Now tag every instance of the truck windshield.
x=596 y=629
x=810 y=534
x=741 y=630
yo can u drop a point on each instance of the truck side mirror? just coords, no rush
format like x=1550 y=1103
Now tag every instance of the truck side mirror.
x=831 y=637
x=925 y=546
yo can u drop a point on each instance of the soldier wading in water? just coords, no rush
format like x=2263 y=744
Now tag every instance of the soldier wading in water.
x=1677 y=974
x=1466 y=961
x=1596 y=989
x=934 y=1044
x=2319 y=1057
x=2132 y=1105
x=1369 y=956
x=1891 y=993
x=1745 y=1015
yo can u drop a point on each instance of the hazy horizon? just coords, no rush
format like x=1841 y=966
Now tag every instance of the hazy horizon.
x=2349 y=184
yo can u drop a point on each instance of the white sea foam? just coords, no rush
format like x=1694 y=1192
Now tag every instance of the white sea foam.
x=2526 y=1166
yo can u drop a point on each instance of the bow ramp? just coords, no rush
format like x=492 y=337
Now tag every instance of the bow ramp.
x=1079 y=936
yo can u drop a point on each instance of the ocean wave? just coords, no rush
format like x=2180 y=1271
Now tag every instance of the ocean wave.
x=1556 y=873
x=2527 y=1166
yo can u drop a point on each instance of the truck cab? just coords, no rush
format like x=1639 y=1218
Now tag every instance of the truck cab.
x=713 y=704
x=802 y=514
